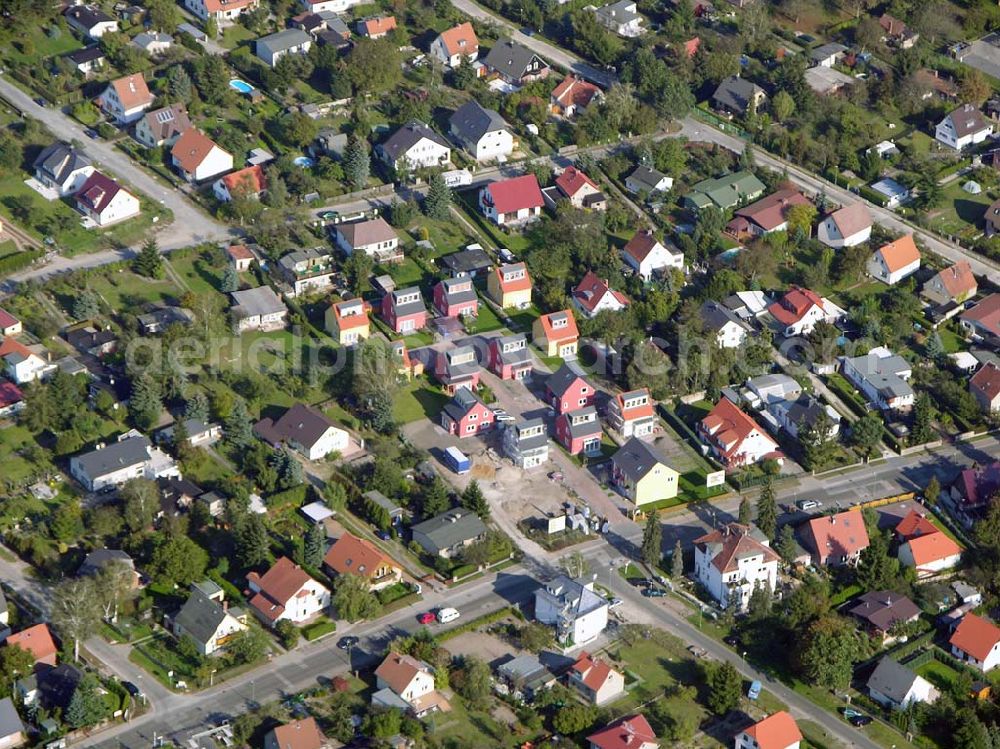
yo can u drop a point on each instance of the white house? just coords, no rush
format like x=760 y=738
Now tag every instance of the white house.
x=621 y=18
x=62 y=168
x=894 y=685
x=846 y=227
x=407 y=683
x=799 y=310
x=414 y=146
x=733 y=437
x=730 y=330
x=976 y=641
x=162 y=126
x=882 y=377
x=646 y=255
x=930 y=553
x=208 y=619
x=731 y=562
x=90 y=21
x=593 y=295
x=125 y=99
x=224 y=12
x=104 y=201
x=573 y=608
x=776 y=731
x=456 y=44
x=374 y=237
x=305 y=430
x=596 y=680
x=333 y=6
x=483 y=133
x=803 y=412
x=273 y=47
x=894 y=193
x=966 y=126
x=512 y=202
x=646 y=180
x=286 y=592
x=132 y=456
x=258 y=309
x=22 y=364
x=248 y=182
x=197 y=157
x=893 y=262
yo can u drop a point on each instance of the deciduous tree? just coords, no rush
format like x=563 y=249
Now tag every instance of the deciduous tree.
x=76 y=612
x=354 y=600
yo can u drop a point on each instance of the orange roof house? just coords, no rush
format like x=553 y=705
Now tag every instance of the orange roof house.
x=735 y=438
x=777 y=731
x=985 y=387
x=580 y=190
x=351 y=555
x=455 y=44
x=837 y=539
x=509 y=286
x=631 y=732
x=348 y=321
x=596 y=680
x=573 y=95
x=556 y=334
x=976 y=641
x=286 y=591
x=895 y=261
x=248 y=182
x=198 y=157
x=930 y=554
x=376 y=28
x=913 y=525
x=126 y=98
x=954 y=284
x=38 y=641
x=299 y=734
x=240 y=256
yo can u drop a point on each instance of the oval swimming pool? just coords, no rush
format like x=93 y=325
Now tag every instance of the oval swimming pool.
x=242 y=86
x=303 y=161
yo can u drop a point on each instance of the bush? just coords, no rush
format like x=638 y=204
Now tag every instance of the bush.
x=318 y=629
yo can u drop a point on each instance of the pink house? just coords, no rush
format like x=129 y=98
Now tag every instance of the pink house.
x=403 y=310
x=566 y=390
x=456 y=297
x=465 y=415
x=509 y=357
x=457 y=368
x=579 y=431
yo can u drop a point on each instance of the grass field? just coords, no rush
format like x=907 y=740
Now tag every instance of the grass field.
x=960 y=213
x=416 y=401
x=941 y=675
x=125 y=290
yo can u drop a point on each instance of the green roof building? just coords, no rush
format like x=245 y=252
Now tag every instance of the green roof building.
x=725 y=192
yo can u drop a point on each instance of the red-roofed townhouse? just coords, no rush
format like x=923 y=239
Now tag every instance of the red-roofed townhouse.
x=9 y=325
x=509 y=286
x=223 y=12
x=20 y=363
x=456 y=44
x=104 y=201
x=836 y=539
x=579 y=431
x=767 y=215
x=512 y=202
x=930 y=554
x=777 y=731
x=976 y=641
x=799 y=310
x=286 y=592
x=593 y=295
x=567 y=390
x=579 y=189
x=348 y=321
x=456 y=297
x=244 y=183
x=38 y=641
x=985 y=387
x=732 y=561
x=573 y=95
x=404 y=311
x=631 y=414
x=631 y=732
x=465 y=415
x=595 y=680
x=556 y=334
x=914 y=525
x=11 y=400
x=509 y=358
x=734 y=438
x=895 y=261
x=983 y=320
x=646 y=255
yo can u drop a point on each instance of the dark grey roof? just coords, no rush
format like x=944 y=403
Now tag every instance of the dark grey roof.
x=455 y=526
x=471 y=121
x=715 y=316
x=560 y=380
x=407 y=137
x=461 y=403
x=200 y=616
x=461 y=295
x=466 y=261
x=510 y=59
x=884 y=608
x=57 y=685
x=407 y=308
x=535 y=440
x=301 y=424
x=283 y=40
x=636 y=458
x=87 y=16
x=259 y=301
x=114 y=457
x=579 y=429
x=96 y=560
x=736 y=93
x=87 y=54
x=826 y=50
x=10 y=721
x=892 y=679
x=646 y=176
x=803 y=412
x=59 y=161
x=517 y=356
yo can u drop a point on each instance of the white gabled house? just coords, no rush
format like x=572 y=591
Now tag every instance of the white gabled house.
x=104 y=201
x=976 y=641
x=646 y=255
x=846 y=227
x=893 y=262
x=733 y=561
x=125 y=99
x=966 y=126
x=578 y=614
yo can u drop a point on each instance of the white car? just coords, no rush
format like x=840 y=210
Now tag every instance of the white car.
x=447 y=615
x=808 y=504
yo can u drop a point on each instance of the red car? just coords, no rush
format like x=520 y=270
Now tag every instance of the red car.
x=427 y=618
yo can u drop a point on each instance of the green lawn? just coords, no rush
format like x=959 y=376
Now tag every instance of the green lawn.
x=959 y=213
x=486 y=320
x=417 y=401
x=40 y=44
x=941 y=675
x=15 y=468
x=124 y=289
x=196 y=272
x=235 y=34
x=45 y=218
x=406 y=273
x=205 y=468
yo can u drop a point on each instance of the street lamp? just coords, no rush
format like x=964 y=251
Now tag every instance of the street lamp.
x=743 y=655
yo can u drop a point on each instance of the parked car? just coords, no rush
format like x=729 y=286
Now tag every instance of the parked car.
x=427 y=618
x=348 y=642
x=733 y=641
x=808 y=504
x=614 y=603
x=384 y=535
x=132 y=689
x=654 y=592
x=91 y=133
x=446 y=615
x=754 y=691
x=641 y=582
x=859 y=721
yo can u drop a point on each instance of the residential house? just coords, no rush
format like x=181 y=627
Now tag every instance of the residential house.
x=953 y=285
x=970 y=495
x=240 y=256
x=509 y=357
x=22 y=364
x=776 y=731
x=465 y=415
x=975 y=641
x=827 y=55
x=882 y=611
x=620 y=17
x=125 y=99
x=329 y=142
x=982 y=322
x=458 y=43
x=799 y=310
x=409 y=367
x=305 y=430
x=37 y=641
x=247 y=183
x=512 y=202
x=897 y=32
x=556 y=334
x=307 y=271
x=483 y=133
x=273 y=47
x=914 y=525
x=567 y=390
x=393 y=510
x=132 y=456
x=732 y=562
x=734 y=438
x=985 y=387
x=62 y=168
x=836 y=539
x=90 y=21
x=207 y=618
x=514 y=63
x=640 y=472
x=930 y=554
x=223 y=12
x=472 y=261
x=153 y=43
x=965 y=126
x=576 y=187
x=403 y=310
x=376 y=28
x=414 y=146
x=332 y=6
x=456 y=297
x=526 y=442
x=299 y=734
x=631 y=413
x=646 y=255
x=509 y=286
x=729 y=329
x=579 y=431
x=846 y=227
x=630 y=732
x=525 y=675
x=373 y=237
x=772 y=388
x=593 y=295
x=992 y=218
x=595 y=680
x=104 y=202
x=893 y=193
x=159 y=318
x=100 y=559
x=456 y=369
x=88 y=339
x=725 y=192
x=258 y=309
x=347 y=322
x=286 y=592
x=882 y=377
x=198 y=158
x=447 y=534
x=577 y=612
x=895 y=261
x=766 y=215
x=12 y=731
x=351 y=555
x=895 y=686
x=572 y=96
x=198 y=432
x=88 y=59
x=645 y=180
x=406 y=682
x=806 y=412
x=827 y=81
x=738 y=96
x=162 y=127
x=11 y=404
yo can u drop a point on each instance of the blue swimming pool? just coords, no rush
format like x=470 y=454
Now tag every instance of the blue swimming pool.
x=242 y=86
x=303 y=161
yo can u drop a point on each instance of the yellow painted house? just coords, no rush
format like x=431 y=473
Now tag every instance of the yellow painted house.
x=347 y=322
x=509 y=286
x=556 y=334
x=640 y=472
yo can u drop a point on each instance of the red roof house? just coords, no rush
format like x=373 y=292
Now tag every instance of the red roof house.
x=245 y=183
x=631 y=732
x=973 y=489
x=777 y=731
x=983 y=319
x=593 y=295
x=985 y=387
x=929 y=554
x=286 y=591
x=556 y=334
x=691 y=46
x=800 y=309
x=573 y=95
x=632 y=413
x=734 y=438
x=837 y=539
x=976 y=641
x=512 y=202
x=580 y=190
x=9 y=325
x=376 y=28
x=596 y=680
x=766 y=215
x=11 y=398
x=914 y=525
x=38 y=641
